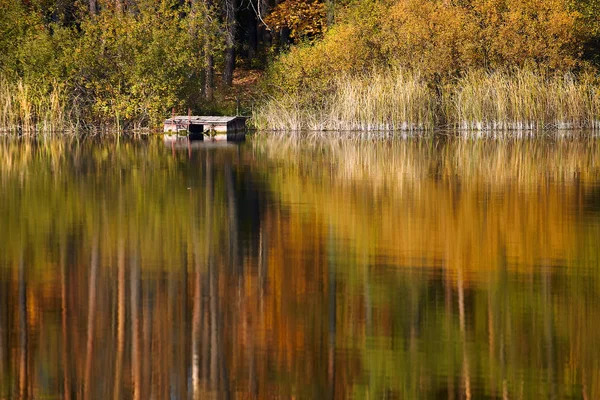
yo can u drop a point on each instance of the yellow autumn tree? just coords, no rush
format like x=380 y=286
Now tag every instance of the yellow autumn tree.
x=303 y=18
x=441 y=39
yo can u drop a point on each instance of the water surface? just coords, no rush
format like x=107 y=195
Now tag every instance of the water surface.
x=306 y=269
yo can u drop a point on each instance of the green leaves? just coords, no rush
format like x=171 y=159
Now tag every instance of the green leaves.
x=120 y=68
x=131 y=65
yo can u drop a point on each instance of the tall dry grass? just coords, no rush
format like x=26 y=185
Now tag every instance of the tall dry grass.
x=399 y=100
x=380 y=101
x=30 y=108
x=403 y=100
x=523 y=100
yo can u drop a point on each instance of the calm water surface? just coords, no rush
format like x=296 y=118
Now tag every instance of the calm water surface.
x=286 y=268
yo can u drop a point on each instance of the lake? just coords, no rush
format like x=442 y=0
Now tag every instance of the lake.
x=300 y=268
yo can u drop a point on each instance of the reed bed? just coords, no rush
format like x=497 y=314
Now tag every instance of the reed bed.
x=385 y=101
x=480 y=101
x=523 y=100
x=29 y=108
x=399 y=100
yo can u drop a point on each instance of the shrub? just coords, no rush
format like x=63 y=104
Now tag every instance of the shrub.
x=441 y=39
x=115 y=69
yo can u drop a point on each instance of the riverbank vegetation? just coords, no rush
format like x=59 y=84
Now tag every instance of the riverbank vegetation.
x=471 y=65
x=329 y=65
x=112 y=64
x=397 y=99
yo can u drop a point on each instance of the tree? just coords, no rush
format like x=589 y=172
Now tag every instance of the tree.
x=230 y=8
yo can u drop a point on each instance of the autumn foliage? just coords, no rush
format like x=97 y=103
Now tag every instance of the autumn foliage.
x=303 y=18
x=444 y=46
x=440 y=39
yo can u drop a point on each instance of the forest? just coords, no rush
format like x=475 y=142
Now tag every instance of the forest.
x=68 y=65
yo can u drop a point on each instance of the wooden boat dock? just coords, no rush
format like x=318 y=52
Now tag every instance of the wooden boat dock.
x=205 y=128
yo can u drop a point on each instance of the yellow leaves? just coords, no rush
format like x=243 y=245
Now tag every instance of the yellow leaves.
x=439 y=38
x=304 y=19
x=486 y=33
x=524 y=31
x=443 y=41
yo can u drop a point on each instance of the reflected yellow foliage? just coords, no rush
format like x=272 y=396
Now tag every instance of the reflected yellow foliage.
x=459 y=204
x=300 y=268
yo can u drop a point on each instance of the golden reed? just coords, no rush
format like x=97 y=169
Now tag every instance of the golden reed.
x=403 y=100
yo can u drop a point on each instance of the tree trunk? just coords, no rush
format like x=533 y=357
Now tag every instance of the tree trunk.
x=209 y=78
x=231 y=23
x=284 y=37
x=264 y=33
x=93 y=7
x=252 y=37
x=330 y=4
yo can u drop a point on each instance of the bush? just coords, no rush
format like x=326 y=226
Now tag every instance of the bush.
x=115 y=69
x=440 y=39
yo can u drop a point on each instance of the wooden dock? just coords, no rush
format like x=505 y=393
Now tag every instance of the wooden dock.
x=205 y=128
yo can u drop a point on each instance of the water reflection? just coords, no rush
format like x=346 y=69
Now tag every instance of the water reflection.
x=287 y=268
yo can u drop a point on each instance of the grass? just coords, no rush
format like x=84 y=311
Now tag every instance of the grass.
x=402 y=100
x=30 y=108
x=523 y=100
x=517 y=100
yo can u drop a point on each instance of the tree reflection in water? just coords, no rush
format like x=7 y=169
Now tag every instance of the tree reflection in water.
x=299 y=268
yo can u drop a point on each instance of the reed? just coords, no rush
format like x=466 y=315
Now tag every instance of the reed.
x=283 y=114
x=379 y=101
x=393 y=100
x=403 y=100
x=30 y=108
x=523 y=100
